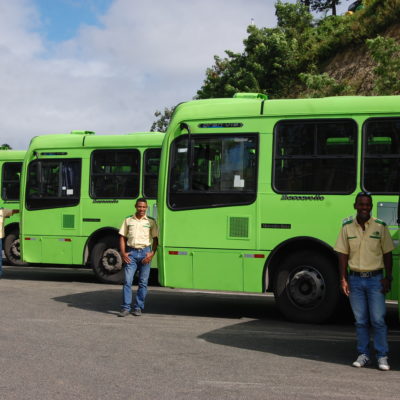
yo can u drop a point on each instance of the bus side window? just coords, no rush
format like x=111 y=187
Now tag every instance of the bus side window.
x=315 y=156
x=381 y=156
x=11 y=175
x=115 y=174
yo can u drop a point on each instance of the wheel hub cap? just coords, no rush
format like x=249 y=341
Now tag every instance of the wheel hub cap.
x=306 y=287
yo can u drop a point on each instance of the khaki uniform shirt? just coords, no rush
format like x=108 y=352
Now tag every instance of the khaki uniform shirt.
x=4 y=213
x=139 y=232
x=364 y=248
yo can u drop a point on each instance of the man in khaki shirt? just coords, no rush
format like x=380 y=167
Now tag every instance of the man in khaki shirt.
x=365 y=247
x=138 y=244
x=4 y=213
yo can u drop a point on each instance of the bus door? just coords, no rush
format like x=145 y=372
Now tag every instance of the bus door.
x=51 y=215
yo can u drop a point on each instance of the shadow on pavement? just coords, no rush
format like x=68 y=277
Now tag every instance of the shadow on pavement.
x=328 y=343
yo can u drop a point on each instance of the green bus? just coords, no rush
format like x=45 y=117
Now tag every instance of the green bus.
x=253 y=192
x=76 y=190
x=10 y=175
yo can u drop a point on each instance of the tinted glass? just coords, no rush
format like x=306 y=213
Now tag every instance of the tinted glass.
x=214 y=170
x=53 y=183
x=318 y=156
x=115 y=174
x=11 y=176
x=381 y=161
x=150 y=176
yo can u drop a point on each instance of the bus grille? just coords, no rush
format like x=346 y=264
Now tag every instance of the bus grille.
x=238 y=227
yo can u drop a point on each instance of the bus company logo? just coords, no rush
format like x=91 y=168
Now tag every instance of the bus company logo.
x=316 y=197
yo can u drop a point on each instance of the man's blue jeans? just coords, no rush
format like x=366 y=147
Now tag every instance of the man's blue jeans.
x=136 y=256
x=368 y=305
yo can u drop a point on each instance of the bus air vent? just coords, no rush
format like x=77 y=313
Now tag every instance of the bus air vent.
x=68 y=221
x=238 y=227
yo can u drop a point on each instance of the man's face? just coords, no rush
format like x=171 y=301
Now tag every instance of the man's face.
x=363 y=205
x=141 y=208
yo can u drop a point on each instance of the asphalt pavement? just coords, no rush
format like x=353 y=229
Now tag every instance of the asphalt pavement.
x=60 y=338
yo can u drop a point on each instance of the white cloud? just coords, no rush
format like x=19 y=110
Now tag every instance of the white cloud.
x=147 y=55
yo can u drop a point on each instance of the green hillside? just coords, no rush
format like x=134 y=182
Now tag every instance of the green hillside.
x=305 y=57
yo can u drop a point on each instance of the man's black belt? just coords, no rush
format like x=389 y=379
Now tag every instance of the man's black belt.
x=366 y=274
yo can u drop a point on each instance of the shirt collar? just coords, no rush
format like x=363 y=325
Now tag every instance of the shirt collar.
x=141 y=219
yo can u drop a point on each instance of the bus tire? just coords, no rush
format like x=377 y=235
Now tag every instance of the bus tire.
x=106 y=261
x=306 y=287
x=12 y=249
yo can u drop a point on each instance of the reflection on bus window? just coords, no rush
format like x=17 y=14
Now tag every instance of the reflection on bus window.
x=214 y=170
x=382 y=156
x=315 y=157
x=115 y=174
x=53 y=183
x=11 y=176
x=150 y=174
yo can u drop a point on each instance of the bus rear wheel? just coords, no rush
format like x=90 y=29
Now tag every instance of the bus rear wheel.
x=306 y=287
x=12 y=249
x=106 y=261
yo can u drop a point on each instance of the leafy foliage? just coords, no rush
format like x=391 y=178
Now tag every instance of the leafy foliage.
x=288 y=60
x=386 y=54
x=5 y=146
x=163 y=119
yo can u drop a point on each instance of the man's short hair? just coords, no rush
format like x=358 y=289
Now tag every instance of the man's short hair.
x=363 y=194
x=140 y=200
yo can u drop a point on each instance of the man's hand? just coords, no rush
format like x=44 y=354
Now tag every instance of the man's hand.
x=148 y=258
x=125 y=257
x=345 y=286
x=386 y=285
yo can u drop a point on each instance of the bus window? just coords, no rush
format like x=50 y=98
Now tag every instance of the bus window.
x=318 y=156
x=382 y=156
x=11 y=175
x=150 y=174
x=53 y=184
x=115 y=174
x=220 y=171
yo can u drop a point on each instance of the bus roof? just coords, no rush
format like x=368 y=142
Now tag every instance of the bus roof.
x=257 y=106
x=90 y=140
x=12 y=155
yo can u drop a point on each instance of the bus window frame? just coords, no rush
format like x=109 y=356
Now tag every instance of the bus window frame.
x=363 y=155
x=125 y=150
x=255 y=135
x=313 y=121
x=3 y=167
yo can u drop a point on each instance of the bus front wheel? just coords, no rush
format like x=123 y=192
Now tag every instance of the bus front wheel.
x=106 y=261
x=12 y=249
x=306 y=287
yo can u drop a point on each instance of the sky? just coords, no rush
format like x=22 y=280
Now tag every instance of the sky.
x=108 y=65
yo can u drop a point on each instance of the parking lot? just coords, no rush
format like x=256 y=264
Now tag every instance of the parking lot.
x=61 y=339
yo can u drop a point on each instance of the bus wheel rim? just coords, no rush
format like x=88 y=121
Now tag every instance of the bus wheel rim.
x=306 y=287
x=111 y=260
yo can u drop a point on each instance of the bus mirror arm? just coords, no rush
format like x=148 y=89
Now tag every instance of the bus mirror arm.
x=184 y=125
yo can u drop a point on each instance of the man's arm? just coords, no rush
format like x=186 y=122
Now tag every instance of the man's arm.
x=343 y=261
x=122 y=249
x=387 y=280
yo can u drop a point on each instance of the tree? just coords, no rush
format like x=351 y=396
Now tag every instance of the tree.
x=5 y=146
x=324 y=5
x=163 y=120
x=271 y=61
x=306 y=3
x=386 y=54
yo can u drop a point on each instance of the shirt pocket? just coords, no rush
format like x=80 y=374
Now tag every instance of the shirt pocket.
x=354 y=242
x=131 y=229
